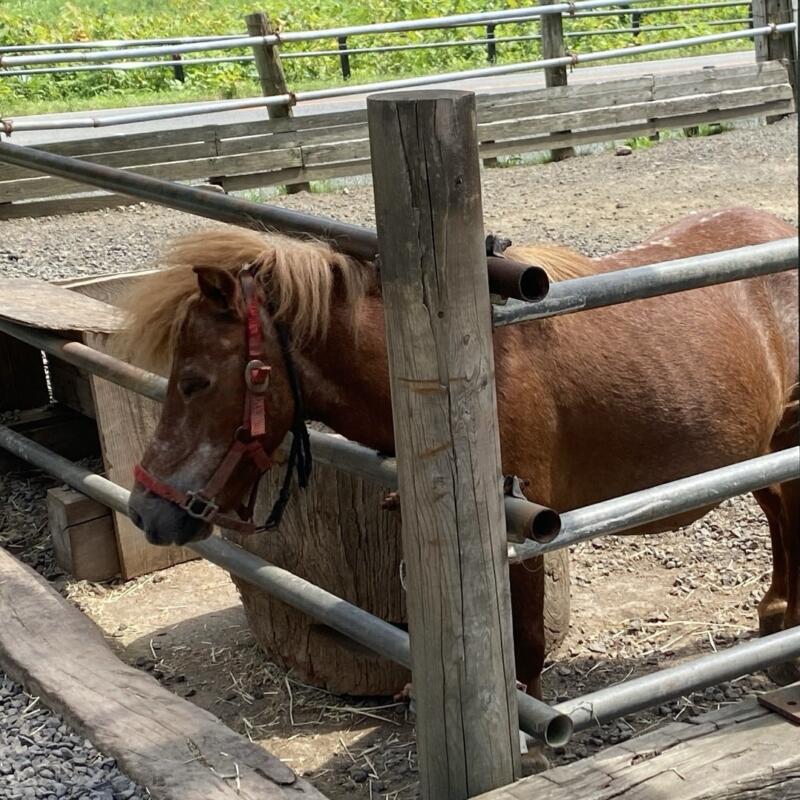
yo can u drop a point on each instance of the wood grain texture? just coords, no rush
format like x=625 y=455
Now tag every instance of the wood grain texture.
x=336 y=535
x=126 y=422
x=552 y=42
x=780 y=46
x=743 y=752
x=426 y=176
x=176 y=750
x=42 y=305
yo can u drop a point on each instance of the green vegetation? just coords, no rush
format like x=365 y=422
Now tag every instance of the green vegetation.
x=34 y=21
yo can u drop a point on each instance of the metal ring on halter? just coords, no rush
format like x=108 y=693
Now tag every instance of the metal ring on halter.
x=207 y=510
x=255 y=385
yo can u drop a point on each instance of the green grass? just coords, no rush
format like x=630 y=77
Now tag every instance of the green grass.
x=31 y=21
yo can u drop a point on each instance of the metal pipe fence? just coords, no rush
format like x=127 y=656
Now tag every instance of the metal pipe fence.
x=637 y=283
x=340 y=52
x=342 y=91
x=633 y=510
x=125 y=43
x=660 y=687
x=536 y=719
x=430 y=23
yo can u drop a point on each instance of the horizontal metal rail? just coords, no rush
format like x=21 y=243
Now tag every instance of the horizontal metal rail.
x=660 y=687
x=638 y=283
x=9 y=126
x=453 y=21
x=351 y=239
x=120 y=43
x=669 y=499
x=523 y=519
x=536 y=718
x=395 y=48
x=505 y=277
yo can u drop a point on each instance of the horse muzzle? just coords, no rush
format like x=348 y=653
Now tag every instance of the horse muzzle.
x=163 y=522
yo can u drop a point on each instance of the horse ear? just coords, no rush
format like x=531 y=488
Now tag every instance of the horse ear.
x=218 y=286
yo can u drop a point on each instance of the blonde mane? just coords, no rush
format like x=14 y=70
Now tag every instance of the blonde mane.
x=298 y=277
x=560 y=263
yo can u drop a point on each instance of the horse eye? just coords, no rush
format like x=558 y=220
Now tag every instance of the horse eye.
x=193 y=384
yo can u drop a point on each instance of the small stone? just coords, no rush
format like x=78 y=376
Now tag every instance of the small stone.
x=623 y=150
x=358 y=775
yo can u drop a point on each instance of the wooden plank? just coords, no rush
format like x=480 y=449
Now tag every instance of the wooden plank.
x=643 y=127
x=128 y=158
x=333 y=133
x=82 y=532
x=126 y=423
x=107 y=288
x=64 y=205
x=175 y=749
x=345 y=169
x=180 y=170
x=335 y=152
x=426 y=177
x=71 y=387
x=636 y=111
x=42 y=305
x=740 y=753
x=22 y=380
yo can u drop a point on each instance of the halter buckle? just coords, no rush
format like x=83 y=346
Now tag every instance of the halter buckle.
x=200 y=507
x=256 y=376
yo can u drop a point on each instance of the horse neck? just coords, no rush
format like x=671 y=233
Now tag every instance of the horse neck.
x=345 y=378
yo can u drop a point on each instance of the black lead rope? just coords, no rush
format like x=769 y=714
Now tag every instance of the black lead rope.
x=300 y=450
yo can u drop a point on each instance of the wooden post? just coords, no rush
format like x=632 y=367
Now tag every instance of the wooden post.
x=270 y=72
x=344 y=58
x=426 y=179
x=778 y=46
x=552 y=29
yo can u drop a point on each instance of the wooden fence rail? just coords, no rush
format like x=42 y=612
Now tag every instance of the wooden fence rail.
x=299 y=149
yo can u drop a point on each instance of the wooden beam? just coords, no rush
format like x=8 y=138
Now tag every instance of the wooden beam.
x=270 y=71
x=741 y=752
x=175 y=749
x=776 y=46
x=82 y=532
x=426 y=176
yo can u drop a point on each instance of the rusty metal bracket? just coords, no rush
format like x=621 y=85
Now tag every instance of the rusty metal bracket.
x=784 y=701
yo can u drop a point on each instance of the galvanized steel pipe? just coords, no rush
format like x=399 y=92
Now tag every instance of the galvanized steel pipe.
x=660 y=687
x=667 y=500
x=637 y=283
x=9 y=125
x=229 y=42
x=536 y=718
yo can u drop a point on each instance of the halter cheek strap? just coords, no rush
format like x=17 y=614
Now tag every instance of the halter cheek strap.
x=249 y=438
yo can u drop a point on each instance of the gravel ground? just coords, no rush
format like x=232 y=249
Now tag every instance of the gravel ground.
x=638 y=604
x=40 y=757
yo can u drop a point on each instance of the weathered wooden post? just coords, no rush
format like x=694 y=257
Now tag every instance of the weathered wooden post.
x=776 y=46
x=426 y=176
x=552 y=29
x=270 y=72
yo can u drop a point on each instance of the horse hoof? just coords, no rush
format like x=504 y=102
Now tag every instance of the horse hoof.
x=771 y=621
x=534 y=760
x=786 y=673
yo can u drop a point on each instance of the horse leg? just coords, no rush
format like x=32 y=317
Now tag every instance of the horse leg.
x=789 y=672
x=527 y=607
x=772 y=607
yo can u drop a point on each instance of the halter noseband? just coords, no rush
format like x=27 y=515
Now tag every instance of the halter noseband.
x=248 y=442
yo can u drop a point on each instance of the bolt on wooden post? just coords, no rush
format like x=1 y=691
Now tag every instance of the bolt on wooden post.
x=426 y=178
x=270 y=72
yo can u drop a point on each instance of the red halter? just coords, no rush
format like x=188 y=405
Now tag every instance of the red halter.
x=248 y=439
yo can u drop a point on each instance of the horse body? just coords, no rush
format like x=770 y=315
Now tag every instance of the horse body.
x=609 y=401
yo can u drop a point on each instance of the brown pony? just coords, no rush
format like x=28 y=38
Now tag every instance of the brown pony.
x=591 y=405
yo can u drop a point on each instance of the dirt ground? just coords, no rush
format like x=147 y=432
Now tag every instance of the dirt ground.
x=639 y=604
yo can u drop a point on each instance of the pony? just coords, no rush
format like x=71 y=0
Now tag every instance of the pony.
x=591 y=405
